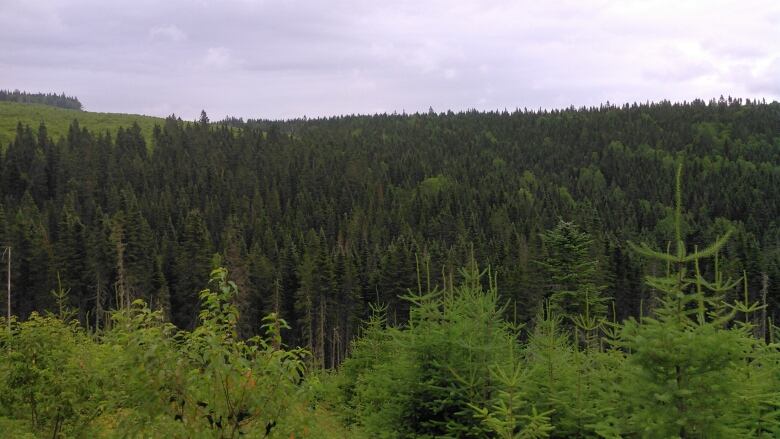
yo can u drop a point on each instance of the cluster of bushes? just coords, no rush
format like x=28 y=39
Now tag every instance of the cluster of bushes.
x=142 y=377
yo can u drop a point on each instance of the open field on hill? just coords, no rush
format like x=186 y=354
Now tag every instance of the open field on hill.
x=59 y=119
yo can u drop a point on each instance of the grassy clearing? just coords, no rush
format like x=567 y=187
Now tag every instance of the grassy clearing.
x=59 y=119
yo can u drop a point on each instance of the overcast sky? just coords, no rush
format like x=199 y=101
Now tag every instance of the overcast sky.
x=289 y=58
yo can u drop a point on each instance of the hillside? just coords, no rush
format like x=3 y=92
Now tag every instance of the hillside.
x=365 y=196
x=464 y=274
x=58 y=119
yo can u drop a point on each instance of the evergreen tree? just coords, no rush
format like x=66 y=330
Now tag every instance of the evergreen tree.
x=236 y=259
x=311 y=300
x=571 y=271
x=681 y=375
x=161 y=297
x=193 y=259
x=31 y=277
x=72 y=260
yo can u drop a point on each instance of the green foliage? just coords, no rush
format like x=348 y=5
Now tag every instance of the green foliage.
x=145 y=378
x=682 y=377
x=369 y=389
x=59 y=119
x=571 y=272
x=113 y=209
x=50 y=377
x=682 y=380
x=432 y=377
x=566 y=383
x=432 y=186
x=688 y=370
x=52 y=99
x=210 y=381
x=507 y=415
x=321 y=220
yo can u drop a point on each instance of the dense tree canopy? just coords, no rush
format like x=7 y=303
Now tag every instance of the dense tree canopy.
x=319 y=218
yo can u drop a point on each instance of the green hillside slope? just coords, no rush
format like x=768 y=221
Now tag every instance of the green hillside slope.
x=58 y=119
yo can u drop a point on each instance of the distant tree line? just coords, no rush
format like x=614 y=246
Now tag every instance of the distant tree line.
x=53 y=99
x=318 y=219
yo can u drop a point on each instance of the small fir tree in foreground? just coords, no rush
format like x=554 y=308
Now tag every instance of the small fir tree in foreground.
x=681 y=374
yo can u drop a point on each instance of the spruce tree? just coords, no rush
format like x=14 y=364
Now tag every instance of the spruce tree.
x=571 y=272
x=72 y=260
x=32 y=278
x=236 y=260
x=192 y=264
x=682 y=372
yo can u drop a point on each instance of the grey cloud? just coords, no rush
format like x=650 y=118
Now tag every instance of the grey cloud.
x=169 y=33
x=764 y=80
x=287 y=58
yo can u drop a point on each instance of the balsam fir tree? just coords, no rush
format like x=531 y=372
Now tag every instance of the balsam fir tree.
x=571 y=273
x=681 y=374
x=509 y=415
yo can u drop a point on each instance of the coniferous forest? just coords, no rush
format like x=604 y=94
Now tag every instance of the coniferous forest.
x=52 y=99
x=595 y=272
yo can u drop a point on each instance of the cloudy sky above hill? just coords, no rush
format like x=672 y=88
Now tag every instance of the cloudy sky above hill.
x=289 y=58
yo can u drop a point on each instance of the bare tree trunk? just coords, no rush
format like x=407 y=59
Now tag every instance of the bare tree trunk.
x=321 y=335
x=764 y=291
x=98 y=307
x=310 y=329
x=120 y=287
x=8 y=276
x=277 y=327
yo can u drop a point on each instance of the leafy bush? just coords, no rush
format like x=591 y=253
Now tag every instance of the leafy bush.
x=145 y=378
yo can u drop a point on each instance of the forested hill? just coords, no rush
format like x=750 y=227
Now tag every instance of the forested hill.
x=316 y=219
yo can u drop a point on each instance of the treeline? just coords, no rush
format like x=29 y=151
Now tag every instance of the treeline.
x=319 y=219
x=53 y=99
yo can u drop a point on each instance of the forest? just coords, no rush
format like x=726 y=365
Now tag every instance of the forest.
x=587 y=272
x=53 y=99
